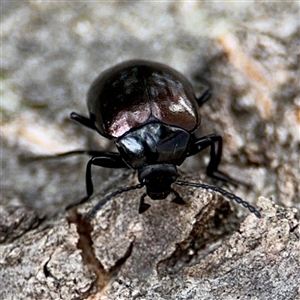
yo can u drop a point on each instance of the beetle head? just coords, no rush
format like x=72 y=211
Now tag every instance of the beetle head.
x=158 y=179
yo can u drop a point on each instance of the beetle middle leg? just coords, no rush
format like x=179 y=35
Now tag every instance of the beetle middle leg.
x=215 y=155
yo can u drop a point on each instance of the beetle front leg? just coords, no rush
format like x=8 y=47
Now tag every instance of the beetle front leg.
x=178 y=199
x=108 y=160
x=143 y=206
x=215 y=155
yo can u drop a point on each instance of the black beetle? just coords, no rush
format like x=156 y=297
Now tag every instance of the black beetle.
x=150 y=112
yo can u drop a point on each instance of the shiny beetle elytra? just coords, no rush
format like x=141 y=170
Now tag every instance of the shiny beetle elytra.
x=150 y=112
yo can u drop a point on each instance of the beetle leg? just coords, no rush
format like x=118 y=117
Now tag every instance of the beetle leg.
x=204 y=142
x=107 y=160
x=215 y=156
x=103 y=201
x=143 y=206
x=178 y=199
x=83 y=120
x=205 y=95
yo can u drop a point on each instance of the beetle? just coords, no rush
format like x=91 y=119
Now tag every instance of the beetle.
x=150 y=112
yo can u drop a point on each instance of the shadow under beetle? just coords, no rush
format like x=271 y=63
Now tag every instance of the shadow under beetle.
x=150 y=112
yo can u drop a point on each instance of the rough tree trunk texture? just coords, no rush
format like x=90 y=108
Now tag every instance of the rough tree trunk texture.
x=208 y=248
x=193 y=251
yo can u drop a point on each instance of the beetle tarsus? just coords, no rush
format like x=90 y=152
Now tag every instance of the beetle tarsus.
x=221 y=176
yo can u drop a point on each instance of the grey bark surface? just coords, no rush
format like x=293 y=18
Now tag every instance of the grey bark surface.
x=195 y=251
x=208 y=248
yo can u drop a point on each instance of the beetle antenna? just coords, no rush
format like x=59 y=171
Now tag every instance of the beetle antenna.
x=102 y=202
x=225 y=193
